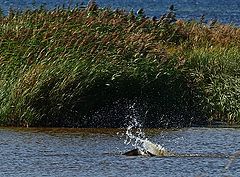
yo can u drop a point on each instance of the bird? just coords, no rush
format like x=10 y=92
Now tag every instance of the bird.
x=171 y=8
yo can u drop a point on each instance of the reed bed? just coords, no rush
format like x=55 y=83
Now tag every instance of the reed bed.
x=66 y=66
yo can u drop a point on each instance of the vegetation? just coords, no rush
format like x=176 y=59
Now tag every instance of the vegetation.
x=84 y=67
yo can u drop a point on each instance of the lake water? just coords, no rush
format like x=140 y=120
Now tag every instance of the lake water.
x=224 y=10
x=98 y=152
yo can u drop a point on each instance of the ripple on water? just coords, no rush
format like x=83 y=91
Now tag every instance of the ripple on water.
x=52 y=153
x=223 y=10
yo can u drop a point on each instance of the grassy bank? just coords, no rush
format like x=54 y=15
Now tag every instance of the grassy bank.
x=97 y=67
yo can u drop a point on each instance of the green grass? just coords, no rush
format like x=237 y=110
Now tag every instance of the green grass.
x=66 y=67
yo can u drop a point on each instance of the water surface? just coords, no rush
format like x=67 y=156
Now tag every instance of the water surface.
x=224 y=10
x=97 y=152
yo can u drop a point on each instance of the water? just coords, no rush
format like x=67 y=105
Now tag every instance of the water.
x=97 y=152
x=224 y=10
x=136 y=137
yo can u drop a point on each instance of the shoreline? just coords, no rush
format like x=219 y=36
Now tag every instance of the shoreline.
x=110 y=131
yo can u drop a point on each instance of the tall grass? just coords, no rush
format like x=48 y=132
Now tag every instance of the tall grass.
x=59 y=67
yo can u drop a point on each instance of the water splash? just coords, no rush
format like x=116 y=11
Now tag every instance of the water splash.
x=136 y=137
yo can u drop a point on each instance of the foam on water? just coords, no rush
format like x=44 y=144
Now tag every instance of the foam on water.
x=136 y=137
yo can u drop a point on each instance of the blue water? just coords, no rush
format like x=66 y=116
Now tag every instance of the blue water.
x=97 y=153
x=226 y=11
